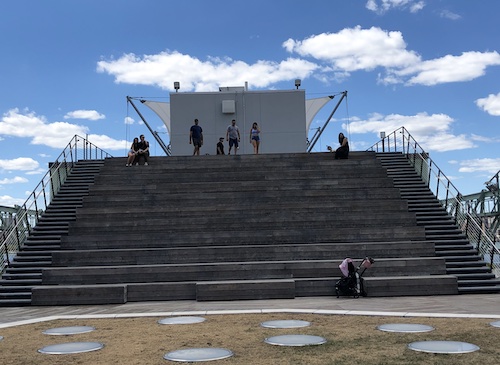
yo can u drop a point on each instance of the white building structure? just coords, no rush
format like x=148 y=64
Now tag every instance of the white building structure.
x=283 y=117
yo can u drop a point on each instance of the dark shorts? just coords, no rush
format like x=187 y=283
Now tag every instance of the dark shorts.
x=197 y=142
x=233 y=142
x=256 y=138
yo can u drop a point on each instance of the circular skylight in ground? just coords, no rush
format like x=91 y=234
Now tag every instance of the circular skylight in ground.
x=404 y=327
x=285 y=324
x=71 y=348
x=443 y=347
x=198 y=354
x=495 y=324
x=181 y=320
x=74 y=330
x=295 y=340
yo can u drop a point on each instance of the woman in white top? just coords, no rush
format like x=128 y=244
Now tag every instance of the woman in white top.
x=255 y=137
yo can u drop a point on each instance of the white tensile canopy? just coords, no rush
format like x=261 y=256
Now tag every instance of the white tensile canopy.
x=313 y=106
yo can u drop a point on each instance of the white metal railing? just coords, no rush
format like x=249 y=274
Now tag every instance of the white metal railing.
x=27 y=215
x=465 y=218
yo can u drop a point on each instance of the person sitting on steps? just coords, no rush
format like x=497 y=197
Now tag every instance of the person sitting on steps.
x=143 y=151
x=343 y=151
x=132 y=152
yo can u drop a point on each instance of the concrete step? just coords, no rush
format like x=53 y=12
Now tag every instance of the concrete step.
x=484 y=289
x=20 y=282
x=15 y=302
x=239 y=253
x=283 y=235
x=33 y=263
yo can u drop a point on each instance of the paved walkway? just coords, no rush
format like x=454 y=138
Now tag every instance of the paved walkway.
x=480 y=306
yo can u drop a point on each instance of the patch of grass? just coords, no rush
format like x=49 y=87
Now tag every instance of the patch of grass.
x=351 y=340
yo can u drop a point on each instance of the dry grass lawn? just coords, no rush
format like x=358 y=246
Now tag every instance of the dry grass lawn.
x=351 y=340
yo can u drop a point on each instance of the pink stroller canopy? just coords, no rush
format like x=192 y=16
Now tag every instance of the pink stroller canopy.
x=343 y=267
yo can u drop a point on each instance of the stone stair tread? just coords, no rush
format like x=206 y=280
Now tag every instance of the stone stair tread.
x=14 y=289
x=32 y=263
x=465 y=264
x=15 y=295
x=491 y=282
x=479 y=289
x=18 y=282
x=474 y=276
x=14 y=303
x=468 y=269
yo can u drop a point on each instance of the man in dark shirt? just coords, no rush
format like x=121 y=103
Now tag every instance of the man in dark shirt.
x=143 y=151
x=196 y=137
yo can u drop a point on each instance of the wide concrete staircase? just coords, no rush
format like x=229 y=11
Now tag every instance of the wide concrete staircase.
x=25 y=270
x=238 y=227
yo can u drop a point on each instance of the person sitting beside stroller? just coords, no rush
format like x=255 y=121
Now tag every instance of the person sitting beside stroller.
x=343 y=151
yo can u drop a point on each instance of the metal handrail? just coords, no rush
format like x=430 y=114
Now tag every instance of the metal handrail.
x=464 y=216
x=28 y=214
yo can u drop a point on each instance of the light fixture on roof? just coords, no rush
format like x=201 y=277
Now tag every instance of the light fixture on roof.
x=177 y=85
x=297 y=83
x=382 y=136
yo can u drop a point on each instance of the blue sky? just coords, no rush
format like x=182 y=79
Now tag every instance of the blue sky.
x=432 y=66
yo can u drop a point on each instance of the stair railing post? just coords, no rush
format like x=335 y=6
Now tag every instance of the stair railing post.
x=28 y=225
x=492 y=252
x=44 y=194
x=17 y=234
x=6 y=249
x=36 y=209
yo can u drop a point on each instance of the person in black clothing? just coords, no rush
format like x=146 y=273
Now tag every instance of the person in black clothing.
x=143 y=150
x=220 y=146
x=196 y=137
x=343 y=151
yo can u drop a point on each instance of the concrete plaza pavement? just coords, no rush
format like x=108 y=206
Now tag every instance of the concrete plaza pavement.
x=468 y=306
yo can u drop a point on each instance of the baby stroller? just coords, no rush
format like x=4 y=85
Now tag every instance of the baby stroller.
x=351 y=283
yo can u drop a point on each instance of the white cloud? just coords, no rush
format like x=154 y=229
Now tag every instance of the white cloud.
x=163 y=69
x=9 y=201
x=432 y=132
x=56 y=135
x=107 y=143
x=128 y=120
x=354 y=49
x=357 y=49
x=334 y=57
x=450 y=15
x=84 y=114
x=382 y=6
x=486 y=165
x=490 y=104
x=15 y=180
x=466 y=67
x=19 y=164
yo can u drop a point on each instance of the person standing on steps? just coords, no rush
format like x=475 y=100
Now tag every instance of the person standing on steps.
x=255 y=137
x=196 y=137
x=233 y=136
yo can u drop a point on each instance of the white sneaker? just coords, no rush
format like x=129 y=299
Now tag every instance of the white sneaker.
x=126 y=164
x=137 y=164
x=145 y=164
